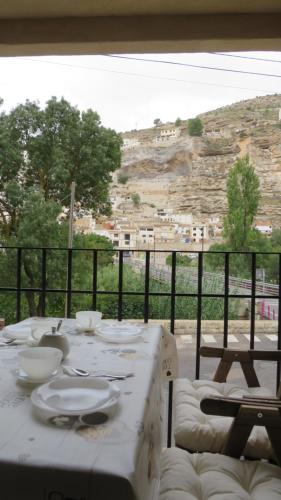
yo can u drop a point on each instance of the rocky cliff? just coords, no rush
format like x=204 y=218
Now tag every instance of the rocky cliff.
x=189 y=174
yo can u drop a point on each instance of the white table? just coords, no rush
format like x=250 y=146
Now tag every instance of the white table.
x=116 y=460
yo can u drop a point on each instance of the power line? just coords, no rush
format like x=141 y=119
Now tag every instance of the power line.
x=213 y=68
x=263 y=59
x=142 y=75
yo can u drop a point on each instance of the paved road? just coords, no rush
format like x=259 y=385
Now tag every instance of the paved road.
x=186 y=345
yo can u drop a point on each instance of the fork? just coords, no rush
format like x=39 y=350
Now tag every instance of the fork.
x=8 y=341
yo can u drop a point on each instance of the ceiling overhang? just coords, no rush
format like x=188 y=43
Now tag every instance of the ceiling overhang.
x=88 y=27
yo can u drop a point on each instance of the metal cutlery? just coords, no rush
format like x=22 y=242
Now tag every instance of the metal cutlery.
x=79 y=372
x=9 y=342
x=59 y=324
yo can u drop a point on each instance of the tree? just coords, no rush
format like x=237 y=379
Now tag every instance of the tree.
x=41 y=152
x=157 y=122
x=195 y=127
x=243 y=196
x=46 y=149
x=122 y=179
x=178 y=122
x=135 y=197
x=182 y=260
x=276 y=240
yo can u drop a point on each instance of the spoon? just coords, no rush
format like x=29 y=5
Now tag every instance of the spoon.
x=80 y=372
x=59 y=324
x=70 y=370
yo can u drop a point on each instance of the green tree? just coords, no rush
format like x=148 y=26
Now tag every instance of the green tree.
x=243 y=196
x=195 y=127
x=181 y=261
x=157 y=122
x=178 y=122
x=47 y=149
x=135 y=197
x=122 y=179
x=276 y=240
x=41 y=152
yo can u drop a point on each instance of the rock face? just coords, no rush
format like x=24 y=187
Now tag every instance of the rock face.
x=189 y=174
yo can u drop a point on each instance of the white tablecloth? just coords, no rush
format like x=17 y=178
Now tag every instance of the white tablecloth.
x=115 y=460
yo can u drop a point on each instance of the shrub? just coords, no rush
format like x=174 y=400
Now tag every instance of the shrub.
x=195 y=127
x=135 y=197
x=122 y=179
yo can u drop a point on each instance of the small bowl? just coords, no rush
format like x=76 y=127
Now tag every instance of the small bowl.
x=40 y=362
x=88 y=320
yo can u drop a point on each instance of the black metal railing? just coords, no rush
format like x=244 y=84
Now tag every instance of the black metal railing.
x=147 y=269
x=228 y=287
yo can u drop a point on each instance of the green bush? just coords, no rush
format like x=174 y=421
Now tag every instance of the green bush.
x=195 y=127
x=135 y=197
x=182 y=260
x=122 y=179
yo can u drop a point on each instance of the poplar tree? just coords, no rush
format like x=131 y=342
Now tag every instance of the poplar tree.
x=243 y=196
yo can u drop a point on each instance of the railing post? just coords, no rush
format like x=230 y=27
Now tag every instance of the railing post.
x=43 y=282
x=19 y=260
x=69 y=282
x=278 y=375
x=120 y=286
x=146 y=286
x=253 y=302
x=226 y=300
x=173 y=291
x=172 y=327
x=199 y=314
x=95 y=277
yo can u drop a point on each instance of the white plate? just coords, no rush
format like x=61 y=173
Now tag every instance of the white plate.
x=119 y=332
x=16 y=332
x=75 y=396
x=24 y=378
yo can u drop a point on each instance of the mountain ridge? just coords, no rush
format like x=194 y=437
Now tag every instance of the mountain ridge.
x=168 y=168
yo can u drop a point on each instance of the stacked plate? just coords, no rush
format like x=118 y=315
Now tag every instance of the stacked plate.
x=119 y=332
x=75 y=396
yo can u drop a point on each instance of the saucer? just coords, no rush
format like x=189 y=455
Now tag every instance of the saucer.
x=23 y=378
x=120 y=333
x=84 y=329
x=75 y=396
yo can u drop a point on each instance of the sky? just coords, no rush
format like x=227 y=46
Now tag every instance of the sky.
x=129 y=94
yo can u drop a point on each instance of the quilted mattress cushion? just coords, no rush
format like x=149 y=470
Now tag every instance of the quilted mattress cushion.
x=197 y=431
x=203 y=476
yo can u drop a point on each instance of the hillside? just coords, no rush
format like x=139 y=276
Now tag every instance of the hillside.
x=170 y=169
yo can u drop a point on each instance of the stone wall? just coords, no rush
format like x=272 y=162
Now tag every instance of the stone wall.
x=235 y=327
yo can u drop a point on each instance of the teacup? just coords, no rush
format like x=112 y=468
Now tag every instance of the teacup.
x=88 y=320
x=40 y=362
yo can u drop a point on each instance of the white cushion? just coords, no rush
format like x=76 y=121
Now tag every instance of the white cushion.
x=203 y=476
x=197 y=431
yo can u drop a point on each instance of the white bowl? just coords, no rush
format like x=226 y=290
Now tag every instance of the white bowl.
x=88 y=320
x=40 y=362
